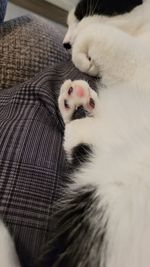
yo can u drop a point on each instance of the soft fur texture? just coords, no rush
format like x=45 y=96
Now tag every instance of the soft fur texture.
x=105 y=220
x=117 y=49
x=104 y=8
x=8 y=257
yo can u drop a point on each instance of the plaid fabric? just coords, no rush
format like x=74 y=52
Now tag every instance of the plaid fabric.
x=3 y=5
x=31 y=156
x=27 y=46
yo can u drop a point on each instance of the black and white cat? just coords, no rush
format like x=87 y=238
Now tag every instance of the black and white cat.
x=102 y=8
x=105 y=221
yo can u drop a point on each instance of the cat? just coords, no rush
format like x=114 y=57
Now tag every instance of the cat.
x=105 y=218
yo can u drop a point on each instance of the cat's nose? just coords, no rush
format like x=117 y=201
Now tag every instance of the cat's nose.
x=67 y=45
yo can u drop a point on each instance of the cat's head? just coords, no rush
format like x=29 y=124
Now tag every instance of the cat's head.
x=86 y=8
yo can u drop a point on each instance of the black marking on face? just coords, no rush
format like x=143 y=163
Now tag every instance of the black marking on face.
x=104 y=7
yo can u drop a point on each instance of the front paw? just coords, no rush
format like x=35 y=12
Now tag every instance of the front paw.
x=84 y=62
x=82 y=55
x=76 y=100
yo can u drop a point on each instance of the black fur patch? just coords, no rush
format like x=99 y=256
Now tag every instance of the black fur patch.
x=79 y=232
x=104 y=7
x=81 y=154
x=79 y=113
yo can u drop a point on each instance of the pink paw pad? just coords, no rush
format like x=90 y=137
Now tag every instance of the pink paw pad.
x=79 y=91
x=76 y=92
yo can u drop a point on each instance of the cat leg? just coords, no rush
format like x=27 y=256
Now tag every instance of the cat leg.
x=79 y=107
x=70 y=243
x=105 y=51
x=80 y=234
x=8 y=256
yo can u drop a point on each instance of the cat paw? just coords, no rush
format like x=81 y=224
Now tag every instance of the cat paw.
x=83 y=54
x=84 y=62
x=76 y=100
x=104 y=51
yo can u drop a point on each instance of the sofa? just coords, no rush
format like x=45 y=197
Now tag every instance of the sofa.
x=33 y=65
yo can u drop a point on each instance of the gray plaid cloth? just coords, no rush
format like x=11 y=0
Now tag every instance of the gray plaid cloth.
x=32 y=157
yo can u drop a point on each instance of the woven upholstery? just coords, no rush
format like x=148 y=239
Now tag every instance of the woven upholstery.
x=28 y=46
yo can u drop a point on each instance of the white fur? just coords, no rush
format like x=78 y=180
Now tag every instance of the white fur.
x=120 y=130
x=72 y=23
x=99 y=48
x=8 y=257
x=133 y=22
x=120 y=168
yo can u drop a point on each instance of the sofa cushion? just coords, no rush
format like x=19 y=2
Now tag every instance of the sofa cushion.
x=28 y=46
